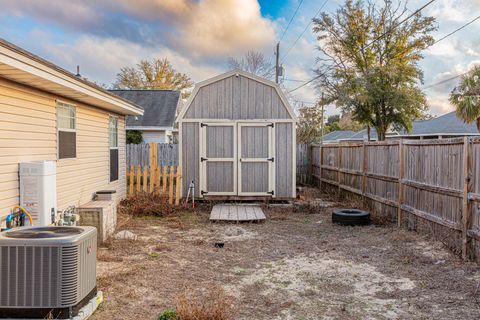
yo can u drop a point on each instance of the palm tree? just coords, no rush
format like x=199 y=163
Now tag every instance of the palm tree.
x=466 y=97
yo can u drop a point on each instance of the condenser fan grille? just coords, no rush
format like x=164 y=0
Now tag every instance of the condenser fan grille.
x=43 y=233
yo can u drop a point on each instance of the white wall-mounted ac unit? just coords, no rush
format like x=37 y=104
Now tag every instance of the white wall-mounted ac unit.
x=38 y=191
x=47 y=269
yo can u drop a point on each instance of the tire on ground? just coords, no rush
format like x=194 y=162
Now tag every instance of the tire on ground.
x=350 y=217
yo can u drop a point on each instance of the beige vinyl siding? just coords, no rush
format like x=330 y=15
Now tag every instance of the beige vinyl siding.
x=79 y=178
x=28 y=133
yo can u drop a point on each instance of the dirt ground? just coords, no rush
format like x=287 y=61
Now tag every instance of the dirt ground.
x=295 y=265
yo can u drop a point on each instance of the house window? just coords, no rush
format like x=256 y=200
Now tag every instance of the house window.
x=113 y=141
x=67 y=133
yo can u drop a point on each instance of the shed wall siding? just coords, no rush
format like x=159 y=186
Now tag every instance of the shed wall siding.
x=283 y=158
x=191 y=156
x=28 y=133
x=237 y=98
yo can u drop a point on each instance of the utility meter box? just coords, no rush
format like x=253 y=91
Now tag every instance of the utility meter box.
x=38 y=191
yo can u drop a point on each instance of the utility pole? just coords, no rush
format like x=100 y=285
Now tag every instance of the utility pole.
x=277 y=61
x=323 y=119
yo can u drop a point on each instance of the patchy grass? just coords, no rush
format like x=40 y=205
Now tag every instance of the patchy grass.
x=296 y=265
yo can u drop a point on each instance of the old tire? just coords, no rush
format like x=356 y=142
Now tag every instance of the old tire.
x=350 y=217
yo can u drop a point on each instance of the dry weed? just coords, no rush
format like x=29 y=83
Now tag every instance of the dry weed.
x=146 y=204
x=214 y=305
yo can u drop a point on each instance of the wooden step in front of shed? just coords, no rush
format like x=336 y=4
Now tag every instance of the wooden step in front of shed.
x=237 y=213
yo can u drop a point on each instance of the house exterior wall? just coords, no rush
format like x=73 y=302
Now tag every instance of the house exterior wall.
x=155 y=136
x=237 y=98
x=28 y=133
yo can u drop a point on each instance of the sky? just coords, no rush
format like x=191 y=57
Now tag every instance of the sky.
x=198 y=36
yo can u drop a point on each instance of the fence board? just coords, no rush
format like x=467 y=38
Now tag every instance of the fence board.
x=166 y=154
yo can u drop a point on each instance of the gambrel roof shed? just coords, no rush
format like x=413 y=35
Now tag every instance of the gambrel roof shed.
x=237 y=139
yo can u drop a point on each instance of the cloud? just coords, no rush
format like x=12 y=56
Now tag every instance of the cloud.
x=100 y=59
x=203 y=28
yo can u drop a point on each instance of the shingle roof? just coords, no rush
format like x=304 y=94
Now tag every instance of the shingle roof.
x=448 y=123
x=160 y=107
x=337 y=135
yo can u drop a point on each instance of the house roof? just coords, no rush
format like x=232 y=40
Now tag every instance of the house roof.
x=160 y=107
x=338 y=135
x=21 y=66
x=447 y=124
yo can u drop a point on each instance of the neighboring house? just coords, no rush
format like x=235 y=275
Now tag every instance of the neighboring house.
x=337 y=136
x=441 y=127
x=237 y=139
x=47 y=113
x=157 y=123
x=444 y=126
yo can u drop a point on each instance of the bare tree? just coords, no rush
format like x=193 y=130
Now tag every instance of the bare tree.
x=253 y=62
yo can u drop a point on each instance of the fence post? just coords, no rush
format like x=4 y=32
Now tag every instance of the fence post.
x=308 y=177
x=157 y=179
x=170 y=185
x=139 y=177
x=401 y=176
x=320 y=164
x=178 y=185
x=164 y=186
x=466 y=184
x=364 y=169
x=130 y=182
x=339 y=166
x=145 y=179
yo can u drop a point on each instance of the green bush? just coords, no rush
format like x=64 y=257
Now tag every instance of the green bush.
x=134 y=136
x=169 y=314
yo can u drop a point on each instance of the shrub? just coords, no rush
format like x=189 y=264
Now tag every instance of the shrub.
x=146 y=204
x=134 y=136
x=169 y=314
x=214 y=305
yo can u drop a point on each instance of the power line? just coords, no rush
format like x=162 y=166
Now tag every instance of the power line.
x=444 y=81
x=304 y=30
x=443 y=38
x=304 y=84
x=374 y=40
x=401 y=22
x=291 y=19
x=456 y=30
x=286 y=29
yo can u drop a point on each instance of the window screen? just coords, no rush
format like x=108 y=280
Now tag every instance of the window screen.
x=113 y=142
x=67 y=135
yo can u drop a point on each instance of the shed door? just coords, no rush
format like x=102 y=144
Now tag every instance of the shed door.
x=256 y=163
x=218 y=159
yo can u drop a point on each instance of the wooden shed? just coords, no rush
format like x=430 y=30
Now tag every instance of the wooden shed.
x=237 y=139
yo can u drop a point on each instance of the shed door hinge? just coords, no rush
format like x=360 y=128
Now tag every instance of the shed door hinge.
x=271 y=192
x=271 y=159
x=203 y=125
x=203 y=159
x=271 y=125
x=203 y=192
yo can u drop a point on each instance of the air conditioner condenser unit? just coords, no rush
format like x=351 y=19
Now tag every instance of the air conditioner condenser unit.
x=47 y=271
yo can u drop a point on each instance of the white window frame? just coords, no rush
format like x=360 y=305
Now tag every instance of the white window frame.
x=111 y=116
x=74 y=107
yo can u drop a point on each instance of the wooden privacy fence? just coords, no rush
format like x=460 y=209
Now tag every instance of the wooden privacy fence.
x=139 y=154
x=435 y=180
x=151 y=177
